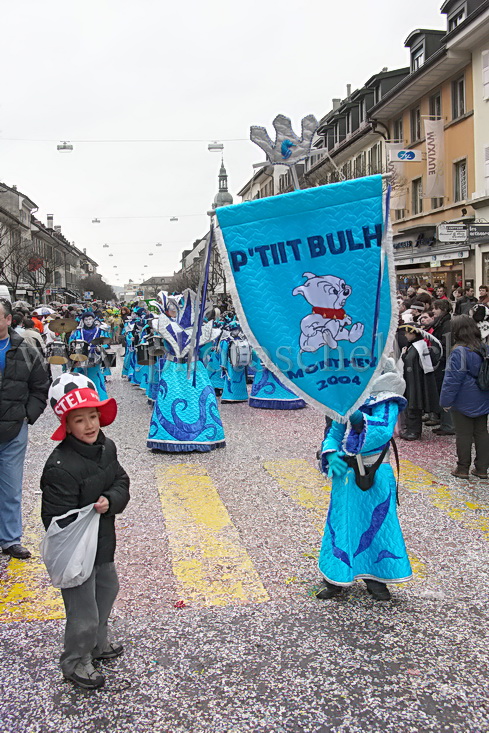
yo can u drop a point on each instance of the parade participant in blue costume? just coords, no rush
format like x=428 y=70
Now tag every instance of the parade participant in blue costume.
x=209 y=354
x=185 y=414
x=88 y=331
x=234 y=382
x=362 y=538
x=127 y=334
x=267 y=391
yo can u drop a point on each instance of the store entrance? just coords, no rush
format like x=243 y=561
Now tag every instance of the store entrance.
x=430 y=278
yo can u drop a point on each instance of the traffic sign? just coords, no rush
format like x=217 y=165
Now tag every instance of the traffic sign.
x=405 y=156
x=451 y=232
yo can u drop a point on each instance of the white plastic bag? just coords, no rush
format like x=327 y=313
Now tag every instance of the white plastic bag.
x=69 y=552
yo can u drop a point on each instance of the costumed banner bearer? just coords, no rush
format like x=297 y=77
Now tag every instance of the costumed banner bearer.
x=324 y=258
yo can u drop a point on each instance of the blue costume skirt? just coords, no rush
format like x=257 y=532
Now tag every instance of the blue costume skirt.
x=267 y=391
x=234 y=385
x=95 y=374
x=126 y=362
x=214 y=369
x=362 y=537
x=185 y=418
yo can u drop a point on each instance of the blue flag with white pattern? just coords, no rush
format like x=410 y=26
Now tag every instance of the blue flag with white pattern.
x=312 y=278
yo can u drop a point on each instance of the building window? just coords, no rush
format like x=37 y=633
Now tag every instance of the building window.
x=417 y=196
x=398 y=131
x=336 y=134
x=363 y=110
x=437 y=203
x=460 y=181
x=456 y=18
x=435 y=106
x=485 y=74
x=400 y=214
x=415 y=124
x=348 y=123
x=458 y=97
x=375 y=159
x=417 y=57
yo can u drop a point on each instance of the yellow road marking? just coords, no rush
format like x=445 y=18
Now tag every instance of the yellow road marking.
x=469 y=513
x=25 y=592
x=211 y=566
x=308 y=488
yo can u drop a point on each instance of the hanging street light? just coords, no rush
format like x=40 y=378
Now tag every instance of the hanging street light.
x=105 y=245
x=158 y=244
x=111 y=255
x=151 y=254
x=96 y=221
x=215 y=147
x=65 y=147
x=174 y=218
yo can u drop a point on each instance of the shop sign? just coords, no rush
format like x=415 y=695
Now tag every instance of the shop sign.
x=403 y=245
x=451 y=232
x=21 y=291
x=435 y=263
x=404 y=156
x=479 y=233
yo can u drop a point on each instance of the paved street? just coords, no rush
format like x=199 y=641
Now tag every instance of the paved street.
x=217 y=562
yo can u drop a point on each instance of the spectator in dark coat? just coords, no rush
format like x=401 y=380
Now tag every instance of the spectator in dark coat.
x=419 y=364
x=24 y=385
x=468 y=404
x=441 y=329
x=465 y=303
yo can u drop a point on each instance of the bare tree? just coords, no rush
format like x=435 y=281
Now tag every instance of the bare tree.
x=94 y=283
x=185 y=279
x=21 y=263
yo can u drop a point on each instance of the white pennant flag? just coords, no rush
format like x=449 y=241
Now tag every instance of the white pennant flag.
x=435 y=168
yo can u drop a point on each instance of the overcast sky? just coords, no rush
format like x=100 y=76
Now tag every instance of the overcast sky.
x=104 y=70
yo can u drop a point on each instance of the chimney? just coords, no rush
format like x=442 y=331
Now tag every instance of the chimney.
x=14 y=188
x=57 y=229
x=50 y=220
x=385 y=69
x=348 y=91
x=84 y=250
x=336 y=104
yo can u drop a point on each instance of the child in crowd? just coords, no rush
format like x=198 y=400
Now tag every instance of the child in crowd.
x=83 y=469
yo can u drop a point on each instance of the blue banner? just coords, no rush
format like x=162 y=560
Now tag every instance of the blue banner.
x=312 y=277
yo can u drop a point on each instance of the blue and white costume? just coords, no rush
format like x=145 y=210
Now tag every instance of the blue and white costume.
x=185 y=416
x=234 y=381
x=88 y=331
x=267 y=391
x=362 y=537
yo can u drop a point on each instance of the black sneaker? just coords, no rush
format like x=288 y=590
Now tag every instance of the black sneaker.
x=86 y=676
x=111 y=651
x=17 y=551
x=378 y=590
x=329 y=591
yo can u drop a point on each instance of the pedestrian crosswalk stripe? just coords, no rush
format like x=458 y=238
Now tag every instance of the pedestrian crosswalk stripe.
x=306 y=486
x=25 y=592
x=471 y=514
x=210 y=564
x=309 y=489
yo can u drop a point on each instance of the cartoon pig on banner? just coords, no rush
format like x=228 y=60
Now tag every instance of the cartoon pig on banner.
x=326 y=325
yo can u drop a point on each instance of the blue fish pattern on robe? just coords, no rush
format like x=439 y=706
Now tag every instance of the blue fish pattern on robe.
x=363 y=537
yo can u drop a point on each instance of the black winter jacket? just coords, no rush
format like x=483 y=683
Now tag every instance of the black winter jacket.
x=24 y=387
x=77 y=474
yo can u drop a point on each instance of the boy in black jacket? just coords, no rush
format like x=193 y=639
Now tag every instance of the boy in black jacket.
x=84 y=470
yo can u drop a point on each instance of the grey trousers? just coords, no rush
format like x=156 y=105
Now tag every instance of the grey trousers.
x=88 y=608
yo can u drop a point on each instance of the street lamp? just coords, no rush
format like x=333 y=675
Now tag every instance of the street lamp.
x=105 y=245
x=158 y=244
x=96 y=221
x=174 y=218
x=65 y=147
x=215 y=147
